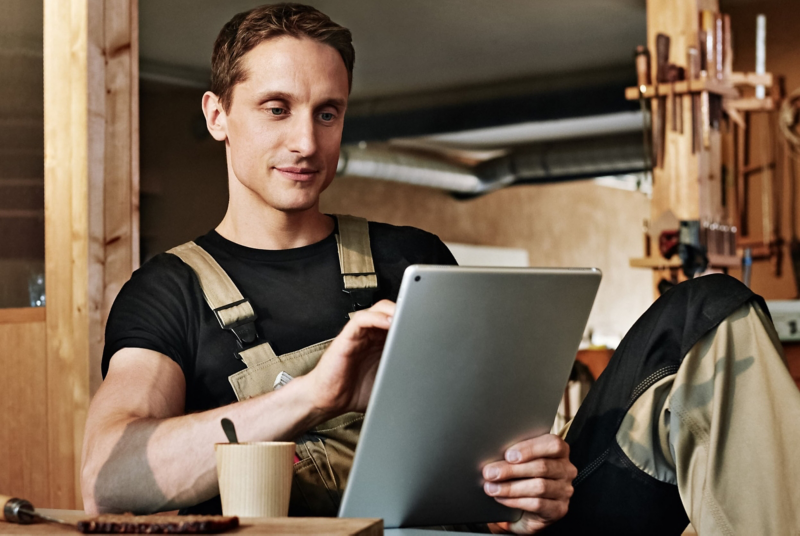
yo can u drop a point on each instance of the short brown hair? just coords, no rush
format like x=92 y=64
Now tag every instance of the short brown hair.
x=247 y=30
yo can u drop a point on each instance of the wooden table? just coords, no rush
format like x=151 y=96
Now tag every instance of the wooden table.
x=287 y=526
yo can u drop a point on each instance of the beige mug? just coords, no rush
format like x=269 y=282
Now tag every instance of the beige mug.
x=255 y=479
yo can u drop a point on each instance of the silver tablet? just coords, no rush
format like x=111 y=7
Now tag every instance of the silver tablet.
x=475 y=361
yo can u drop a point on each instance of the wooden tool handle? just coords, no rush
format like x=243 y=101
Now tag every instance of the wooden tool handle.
x=3 y=501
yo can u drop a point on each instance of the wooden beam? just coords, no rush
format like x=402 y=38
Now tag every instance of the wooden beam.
x=91 y=176
x=66 y=254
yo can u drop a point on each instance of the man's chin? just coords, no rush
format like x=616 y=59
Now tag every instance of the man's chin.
x=295 y=206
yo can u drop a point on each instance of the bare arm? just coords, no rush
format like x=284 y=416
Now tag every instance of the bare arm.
x=143 y=454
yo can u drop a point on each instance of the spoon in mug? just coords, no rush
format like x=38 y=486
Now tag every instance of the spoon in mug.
x=230 y=430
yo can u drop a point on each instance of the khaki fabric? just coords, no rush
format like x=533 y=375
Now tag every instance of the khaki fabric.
x=218 y=289
x=355 y=254
x=726 y=429
x=325 y=452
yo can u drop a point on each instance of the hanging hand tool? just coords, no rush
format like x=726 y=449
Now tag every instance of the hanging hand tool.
x=676 y=74
x=643 y=79
x=659 y=130
x=22 y=512
x=693 y=73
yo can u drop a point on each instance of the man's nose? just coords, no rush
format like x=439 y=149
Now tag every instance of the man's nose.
x=302 y=138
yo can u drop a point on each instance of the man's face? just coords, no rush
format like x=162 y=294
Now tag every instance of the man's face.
x=284 y=126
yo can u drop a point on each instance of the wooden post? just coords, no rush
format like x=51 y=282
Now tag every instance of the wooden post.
x=91 y=214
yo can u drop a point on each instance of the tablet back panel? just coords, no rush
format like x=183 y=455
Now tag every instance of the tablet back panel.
x=476 y=360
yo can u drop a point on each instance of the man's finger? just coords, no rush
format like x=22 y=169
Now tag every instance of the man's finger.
x=544 y=509
x=541 y=468
x=545 y=446
x=530 y=487
x=384 y=306
x=366 y=320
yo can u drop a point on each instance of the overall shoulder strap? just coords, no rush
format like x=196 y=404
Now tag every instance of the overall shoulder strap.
x=233 y=311
x=355 y=260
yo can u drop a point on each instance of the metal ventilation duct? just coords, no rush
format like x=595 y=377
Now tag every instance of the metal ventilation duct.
x=547 y=162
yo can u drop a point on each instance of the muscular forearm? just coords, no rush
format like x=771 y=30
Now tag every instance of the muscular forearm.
x=151 y=464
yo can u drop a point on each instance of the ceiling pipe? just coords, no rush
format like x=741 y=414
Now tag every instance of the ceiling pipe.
x=541 y=163
x=533 y=132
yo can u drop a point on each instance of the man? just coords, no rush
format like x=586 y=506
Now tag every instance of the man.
x=695 y=407
x=281 y=78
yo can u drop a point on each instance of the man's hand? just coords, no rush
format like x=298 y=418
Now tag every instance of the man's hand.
x=536 y=477
x=342 y=381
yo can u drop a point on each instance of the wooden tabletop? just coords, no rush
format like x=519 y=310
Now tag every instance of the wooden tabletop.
x=288 y=526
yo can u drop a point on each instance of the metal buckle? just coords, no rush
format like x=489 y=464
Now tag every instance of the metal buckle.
x=362 y=297
x=244 y=329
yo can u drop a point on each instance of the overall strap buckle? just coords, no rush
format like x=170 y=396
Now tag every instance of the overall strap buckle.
x=243 y=327
x=355 y=261
x=362 y=298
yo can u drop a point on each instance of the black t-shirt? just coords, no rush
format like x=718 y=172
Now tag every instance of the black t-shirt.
x=296 y=293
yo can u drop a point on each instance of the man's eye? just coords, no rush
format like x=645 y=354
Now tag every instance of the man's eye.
x=277 y=111
x=326 y=116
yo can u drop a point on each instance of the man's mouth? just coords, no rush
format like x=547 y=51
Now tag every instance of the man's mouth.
x=297 y=173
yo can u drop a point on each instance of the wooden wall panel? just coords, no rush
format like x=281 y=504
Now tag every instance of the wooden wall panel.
x=23 y=404
x=90 y=176
x=66 y=214
x=569 y=224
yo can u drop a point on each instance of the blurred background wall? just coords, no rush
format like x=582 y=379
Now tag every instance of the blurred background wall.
x=487 y=66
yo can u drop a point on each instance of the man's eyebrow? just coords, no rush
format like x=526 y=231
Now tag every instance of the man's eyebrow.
x=336 y=103
x=274 y=96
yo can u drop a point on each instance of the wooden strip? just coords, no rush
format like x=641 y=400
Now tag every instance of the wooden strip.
x=752 y=104
x=751 y=79
x=65 y=140
x=134 y=134
x=22 y=315
x=680 y=88
x=121 y=140
x=97 y=180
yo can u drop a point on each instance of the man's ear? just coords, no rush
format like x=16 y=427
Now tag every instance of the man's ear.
x=216 y=118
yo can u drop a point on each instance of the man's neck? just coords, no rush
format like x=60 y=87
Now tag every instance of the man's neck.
x=274 y=229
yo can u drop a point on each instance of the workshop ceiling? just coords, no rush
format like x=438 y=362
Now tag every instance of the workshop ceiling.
x=422 y=46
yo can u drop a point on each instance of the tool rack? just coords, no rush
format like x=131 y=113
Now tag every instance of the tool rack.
x=696 y=128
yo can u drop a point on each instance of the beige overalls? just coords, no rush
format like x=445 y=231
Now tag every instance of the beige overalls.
x=325 y=452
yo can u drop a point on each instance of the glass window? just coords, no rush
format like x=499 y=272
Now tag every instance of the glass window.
x=21 y=154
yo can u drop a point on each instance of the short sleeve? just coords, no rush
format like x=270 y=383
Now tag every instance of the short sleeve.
x=152 y=311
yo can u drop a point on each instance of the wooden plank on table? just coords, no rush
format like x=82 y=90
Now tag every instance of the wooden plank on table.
x=279 y=526
x=23 y=403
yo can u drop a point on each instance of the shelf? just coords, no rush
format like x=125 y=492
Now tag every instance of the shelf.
x=751 y=79
x=714 y=260
x=680 y=88
x=752 y=104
